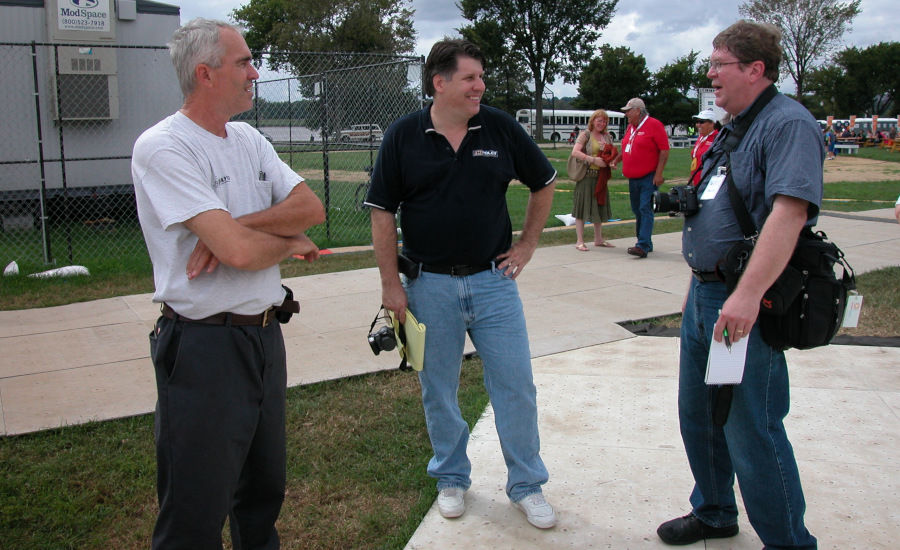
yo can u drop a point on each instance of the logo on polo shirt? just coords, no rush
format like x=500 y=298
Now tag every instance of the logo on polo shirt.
x=485 y=153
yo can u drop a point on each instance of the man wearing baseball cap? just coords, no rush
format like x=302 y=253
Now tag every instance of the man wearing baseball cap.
x=644 y=152
x=707 y=130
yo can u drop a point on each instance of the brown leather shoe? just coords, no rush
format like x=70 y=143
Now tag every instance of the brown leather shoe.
x=637 y=251
x=690 y=529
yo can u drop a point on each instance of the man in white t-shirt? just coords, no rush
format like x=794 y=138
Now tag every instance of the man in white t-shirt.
x=219 y=211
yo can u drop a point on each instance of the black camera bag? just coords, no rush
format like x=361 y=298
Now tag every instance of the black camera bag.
x=805 y=306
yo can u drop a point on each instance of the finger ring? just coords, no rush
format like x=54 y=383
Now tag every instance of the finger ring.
x=739 y=330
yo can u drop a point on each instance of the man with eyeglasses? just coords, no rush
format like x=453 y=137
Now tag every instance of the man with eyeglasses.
x=777 y=169
x=707 y=132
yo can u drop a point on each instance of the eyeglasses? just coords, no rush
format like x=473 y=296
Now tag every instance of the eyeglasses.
x=716 y=66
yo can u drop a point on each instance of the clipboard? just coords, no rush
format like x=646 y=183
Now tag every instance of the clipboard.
x=413 y=349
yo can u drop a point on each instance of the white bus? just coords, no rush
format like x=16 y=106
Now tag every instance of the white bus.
x=863 y=124
x=560 y=123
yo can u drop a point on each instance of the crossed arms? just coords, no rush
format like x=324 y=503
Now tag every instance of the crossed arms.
x=258 y=240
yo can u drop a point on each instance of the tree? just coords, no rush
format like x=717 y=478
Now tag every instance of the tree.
x=828 y=92
x=811 y=30
x=552 y=38
x=672 y=84
x=612 y=78
x=370 y=26
x=505 y=74
x=860 y=82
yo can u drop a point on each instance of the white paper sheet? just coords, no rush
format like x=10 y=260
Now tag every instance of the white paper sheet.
x=724 y=367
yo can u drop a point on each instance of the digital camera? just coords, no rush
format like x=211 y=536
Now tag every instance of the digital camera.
x=382 y=339
x=681 y=199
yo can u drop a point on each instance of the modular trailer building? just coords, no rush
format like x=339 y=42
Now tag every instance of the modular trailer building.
x=81 y=80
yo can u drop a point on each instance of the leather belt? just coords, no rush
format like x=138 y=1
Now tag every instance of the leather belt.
x=261 y=319
x=706 y=276
x=457 y=270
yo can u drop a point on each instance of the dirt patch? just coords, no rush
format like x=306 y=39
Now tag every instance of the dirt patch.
x=850 y=168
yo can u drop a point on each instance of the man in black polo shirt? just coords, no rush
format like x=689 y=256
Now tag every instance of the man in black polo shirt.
x=449 y=166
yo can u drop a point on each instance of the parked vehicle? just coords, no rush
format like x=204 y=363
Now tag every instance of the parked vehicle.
x=362 y=132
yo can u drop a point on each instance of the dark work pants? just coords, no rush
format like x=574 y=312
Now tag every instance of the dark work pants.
x=220 y=434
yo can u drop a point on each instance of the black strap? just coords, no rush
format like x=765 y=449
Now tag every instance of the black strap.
x=732 y=140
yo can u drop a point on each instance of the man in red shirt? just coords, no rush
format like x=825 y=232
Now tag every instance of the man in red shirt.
x=644 y=153
x=707 y=132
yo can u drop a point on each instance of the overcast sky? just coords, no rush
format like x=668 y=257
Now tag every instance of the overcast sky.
x=661 y=30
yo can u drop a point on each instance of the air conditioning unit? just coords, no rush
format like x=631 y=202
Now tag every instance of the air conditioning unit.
x=88 y=84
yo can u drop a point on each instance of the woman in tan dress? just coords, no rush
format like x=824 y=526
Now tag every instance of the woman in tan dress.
x=588 y=147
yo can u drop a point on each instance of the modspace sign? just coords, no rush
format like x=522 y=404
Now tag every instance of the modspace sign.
x=84 y=15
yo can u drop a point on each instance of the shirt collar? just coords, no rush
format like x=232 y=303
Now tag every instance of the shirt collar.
x=428 y=125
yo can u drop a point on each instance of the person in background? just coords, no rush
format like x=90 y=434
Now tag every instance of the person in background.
x=897 y=209
x=449 y=166
x=707 y=129
x=830 y=142
x=588 y=148
x=777 y=170
x=645 y=151
x=219 y=210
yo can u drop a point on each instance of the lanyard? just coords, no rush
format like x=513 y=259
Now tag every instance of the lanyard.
x=635 y=131
x=700 y=142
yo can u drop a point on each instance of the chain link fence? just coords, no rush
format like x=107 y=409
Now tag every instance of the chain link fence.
x=73 y=113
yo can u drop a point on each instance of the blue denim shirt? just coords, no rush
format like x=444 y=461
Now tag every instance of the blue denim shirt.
x=782 y=153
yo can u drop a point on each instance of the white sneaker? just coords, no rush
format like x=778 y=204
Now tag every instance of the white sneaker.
x=452 y=502
x=537 y=510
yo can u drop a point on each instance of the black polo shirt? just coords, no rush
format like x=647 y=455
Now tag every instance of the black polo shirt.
x=454 y=203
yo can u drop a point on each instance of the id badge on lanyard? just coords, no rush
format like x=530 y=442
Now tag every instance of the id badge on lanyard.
x=715 y=183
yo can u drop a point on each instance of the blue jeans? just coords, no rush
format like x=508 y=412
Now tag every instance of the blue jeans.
x=753 y=443
x=488 y=307
x=641 y=191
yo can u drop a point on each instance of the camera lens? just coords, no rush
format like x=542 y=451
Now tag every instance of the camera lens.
x=662 y=202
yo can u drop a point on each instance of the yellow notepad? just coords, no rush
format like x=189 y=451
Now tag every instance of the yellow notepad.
x=414 y=349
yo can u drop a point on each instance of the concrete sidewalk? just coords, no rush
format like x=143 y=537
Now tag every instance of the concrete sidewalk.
x=607 y=398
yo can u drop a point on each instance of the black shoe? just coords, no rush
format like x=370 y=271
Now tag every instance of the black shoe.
x=690 y=529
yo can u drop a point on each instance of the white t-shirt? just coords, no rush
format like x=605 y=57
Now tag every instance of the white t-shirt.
x=181 y=170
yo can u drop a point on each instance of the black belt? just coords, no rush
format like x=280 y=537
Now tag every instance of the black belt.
x=706 y=276
x=261 y=319
x=457 y=270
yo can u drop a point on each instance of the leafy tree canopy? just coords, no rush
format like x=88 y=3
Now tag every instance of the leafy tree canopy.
x=369 y=26
x=812 y=30
x=671 y=86
x=612 y=78
x=554 y=39
x=860 y=82
x=505 y=75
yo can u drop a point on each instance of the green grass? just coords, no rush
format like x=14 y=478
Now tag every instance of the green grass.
x=121 y=266
x=357 y=447
x=357 y=451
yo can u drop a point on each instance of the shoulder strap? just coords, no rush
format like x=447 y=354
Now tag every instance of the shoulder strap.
x=736 y=134
x=739 y=128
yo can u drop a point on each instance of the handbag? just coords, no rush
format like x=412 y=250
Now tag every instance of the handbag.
x=576 y=169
